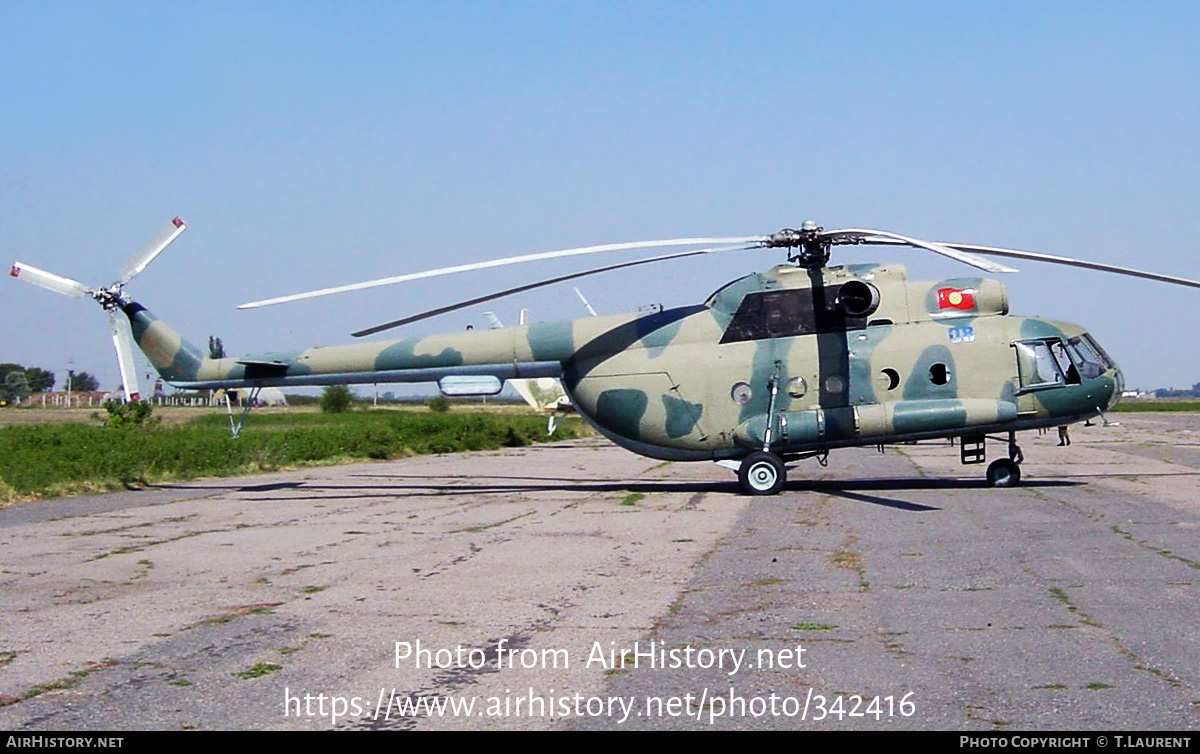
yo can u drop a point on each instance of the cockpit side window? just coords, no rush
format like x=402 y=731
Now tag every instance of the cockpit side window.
x=1059 y=351
x=1037 y=365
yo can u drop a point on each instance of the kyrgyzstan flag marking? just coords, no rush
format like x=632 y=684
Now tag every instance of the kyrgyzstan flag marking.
x=956 y=298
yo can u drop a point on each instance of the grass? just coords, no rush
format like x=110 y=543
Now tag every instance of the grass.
x=813 y=627
x=258 y=670
x=1156 y=405
x=60 y=684
x=49 y=460
x=1061 y=595
x=633 y=498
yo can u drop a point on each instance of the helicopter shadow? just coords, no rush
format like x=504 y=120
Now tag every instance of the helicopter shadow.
x=422 y=485
x=854 y=489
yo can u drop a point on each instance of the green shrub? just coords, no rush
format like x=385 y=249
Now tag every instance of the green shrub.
x=336 y=399
x=439 y=405
x=126 y=415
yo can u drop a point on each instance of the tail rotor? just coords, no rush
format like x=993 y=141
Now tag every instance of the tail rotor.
x=111 y=298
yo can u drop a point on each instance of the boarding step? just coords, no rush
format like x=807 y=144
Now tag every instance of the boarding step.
x=972 y=448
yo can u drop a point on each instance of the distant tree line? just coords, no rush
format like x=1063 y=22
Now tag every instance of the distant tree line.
x=19 y=382
x=1165 y=392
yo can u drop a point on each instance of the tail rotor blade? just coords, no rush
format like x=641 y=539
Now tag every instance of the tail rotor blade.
x=48 y=280
x=138 y=261
x=123 y=341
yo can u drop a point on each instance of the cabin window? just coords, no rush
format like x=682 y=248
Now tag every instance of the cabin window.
x=889 y=379
x=797 y=387
x=741 y=393
x=1037 y=365
x=939 y=374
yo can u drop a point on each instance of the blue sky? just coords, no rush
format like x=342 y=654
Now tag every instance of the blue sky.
x=312 y=144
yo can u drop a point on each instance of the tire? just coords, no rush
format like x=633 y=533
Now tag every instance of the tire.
x=762 y=473
x=1003 y=473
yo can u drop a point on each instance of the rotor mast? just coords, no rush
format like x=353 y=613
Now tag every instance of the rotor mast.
x=811 y=241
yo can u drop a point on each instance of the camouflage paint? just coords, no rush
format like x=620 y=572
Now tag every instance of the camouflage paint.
x=551 y=341
x=920 y=386
x=660 y=383
x=403 y=355
x=173 y=357
x=681 y=416
x=621 y=411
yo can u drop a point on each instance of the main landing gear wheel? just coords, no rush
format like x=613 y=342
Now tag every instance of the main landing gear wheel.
x=1003 y=472
x=762 y=473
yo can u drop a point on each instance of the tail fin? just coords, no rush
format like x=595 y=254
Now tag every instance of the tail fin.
x=175 y=359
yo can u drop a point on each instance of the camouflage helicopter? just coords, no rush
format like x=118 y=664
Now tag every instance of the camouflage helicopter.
x=772 y=368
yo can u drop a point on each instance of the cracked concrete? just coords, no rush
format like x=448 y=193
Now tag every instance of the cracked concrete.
x=321 y=571
x=1066 y=603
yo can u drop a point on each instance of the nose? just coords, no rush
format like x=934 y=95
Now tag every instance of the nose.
x=1118 y=388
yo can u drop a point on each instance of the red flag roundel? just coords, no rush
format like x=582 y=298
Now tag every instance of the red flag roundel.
x=956 y=298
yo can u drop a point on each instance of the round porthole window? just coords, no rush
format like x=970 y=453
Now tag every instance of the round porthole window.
x=889 y=379
x=939 y=374
x=797 y=387
x=741 y=393
x=834 y=384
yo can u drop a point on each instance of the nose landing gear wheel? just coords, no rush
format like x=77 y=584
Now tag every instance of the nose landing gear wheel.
x=762 y=473
x=1003 y=472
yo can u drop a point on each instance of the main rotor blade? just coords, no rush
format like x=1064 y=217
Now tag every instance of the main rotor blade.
x=122 y=336
x=539 y=284
x=138 y=261
x=1073 y=263
x=48 y=280
x=500 y=263
x=860 y=235
x=1050 y=258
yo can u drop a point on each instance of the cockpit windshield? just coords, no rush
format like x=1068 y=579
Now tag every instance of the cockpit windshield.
x=1084 y=355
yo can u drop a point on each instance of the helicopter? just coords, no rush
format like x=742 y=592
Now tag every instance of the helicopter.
x=772 y=368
